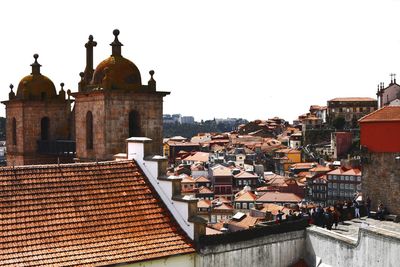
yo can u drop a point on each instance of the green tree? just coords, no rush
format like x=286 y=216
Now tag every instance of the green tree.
x=339 y=123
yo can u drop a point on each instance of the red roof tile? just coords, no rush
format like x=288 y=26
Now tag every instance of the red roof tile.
x=278 y=197
x=84 y=215
x=388 y=113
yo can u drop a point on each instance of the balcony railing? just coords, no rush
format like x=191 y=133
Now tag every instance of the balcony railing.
x=57 y=147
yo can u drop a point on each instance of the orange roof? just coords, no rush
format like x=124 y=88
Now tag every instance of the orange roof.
x=84 y=214
x=303 y=165
x=205 y=190
x=245 y=196
x=273 y=208
x=202 y=179
x=220 y=170
x=351 y=99
x=188 y=180
x=204 y=203
x=198 y=157
x=320 y=168
x=223 y=206
x=211 y=231
x=245 y=175
x=246 y=222
x=343 y=171
x=388 y=113
x=279 y=197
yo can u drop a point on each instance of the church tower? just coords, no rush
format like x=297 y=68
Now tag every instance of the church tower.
x=112 y=105
x=37 y=118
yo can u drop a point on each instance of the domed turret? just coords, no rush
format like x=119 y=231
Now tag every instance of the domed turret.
x=116 y=72
x=36 y=86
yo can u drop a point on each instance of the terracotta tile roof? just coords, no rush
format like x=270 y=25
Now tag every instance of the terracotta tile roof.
x=211 y=231
x=343 y=171
x=222 y=200
x=202 y=179
x=351 y=99
x=303 y=165
x=205 y=190
x=223 y=206
x=245 y=196
x=84 y=215
x=279 y=197
x=245 y=175
x=320 y=168
x=198 y=157
x=204 y=203
x=246 y=222
x=273 y=208
x=388 y=113
x=188 y=180
x=220 y=170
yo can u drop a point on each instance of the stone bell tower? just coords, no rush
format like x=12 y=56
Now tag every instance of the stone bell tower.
x=112 y=105
x=36 y=116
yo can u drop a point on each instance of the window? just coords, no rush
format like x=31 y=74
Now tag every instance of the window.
x=44 y=128
x=237 y=206
x=359 y=187
x=347 y=186
x=14 y=131
x=89 y=130
x=329 y=185
x=361 y=109
x=359 y=178
x=335 y=185
x=347 y=110
x=341 y=186
x=134 y=124
x=346 y=177
x=239 y=182
x=244 y=205
x=351 y=186
x=251 y=205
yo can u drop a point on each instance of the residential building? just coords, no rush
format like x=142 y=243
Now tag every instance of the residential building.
x=243 y=179
x=284 y=158
x=204 y=193
x=342 y=184
x=244 y=200
x=202 y=181
x=351 y=109
x=222 y=179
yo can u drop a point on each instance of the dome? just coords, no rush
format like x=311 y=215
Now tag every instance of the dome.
x=36 y=85
x=120 y=73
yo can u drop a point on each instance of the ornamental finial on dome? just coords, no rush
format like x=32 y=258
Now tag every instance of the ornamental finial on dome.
x=116 y=44
x=11 y=95
x=35 y=65
x=152 y=82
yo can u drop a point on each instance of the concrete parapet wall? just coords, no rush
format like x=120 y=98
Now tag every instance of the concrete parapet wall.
x=374 y=247
x=282 y=249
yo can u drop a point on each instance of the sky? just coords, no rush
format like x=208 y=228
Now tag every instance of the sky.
x=237 y=59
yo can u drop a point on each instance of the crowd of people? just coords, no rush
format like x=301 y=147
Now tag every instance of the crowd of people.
x=330 y=216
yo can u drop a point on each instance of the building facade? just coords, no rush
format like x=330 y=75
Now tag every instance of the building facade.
x=350 y=108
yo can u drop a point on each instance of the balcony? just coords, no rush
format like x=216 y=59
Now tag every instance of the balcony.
x=58 y=147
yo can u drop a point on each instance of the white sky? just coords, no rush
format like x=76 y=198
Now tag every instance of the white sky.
x=249 y=59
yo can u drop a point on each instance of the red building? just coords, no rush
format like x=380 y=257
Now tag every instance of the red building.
x=380 y=130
